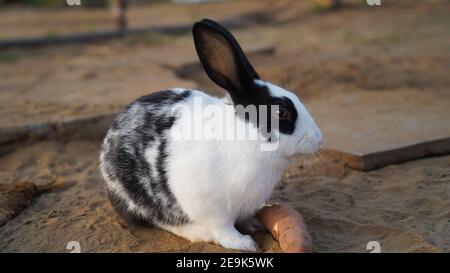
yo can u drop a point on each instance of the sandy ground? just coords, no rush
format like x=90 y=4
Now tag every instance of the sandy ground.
x=399 y=48
x=81 y=213
x=404 y=207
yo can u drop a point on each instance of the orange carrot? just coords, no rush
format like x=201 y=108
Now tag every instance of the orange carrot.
x=287 y=227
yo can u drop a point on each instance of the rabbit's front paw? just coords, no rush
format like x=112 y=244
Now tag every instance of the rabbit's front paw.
x=231 y=238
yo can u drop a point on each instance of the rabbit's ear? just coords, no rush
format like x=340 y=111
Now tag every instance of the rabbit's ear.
x=223 y=59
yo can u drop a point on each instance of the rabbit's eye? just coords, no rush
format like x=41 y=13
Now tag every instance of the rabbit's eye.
x=282 y=113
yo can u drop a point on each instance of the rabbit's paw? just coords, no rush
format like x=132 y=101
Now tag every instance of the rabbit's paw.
x=231 y=238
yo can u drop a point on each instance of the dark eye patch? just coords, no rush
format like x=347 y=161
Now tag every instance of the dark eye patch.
x=287 y=126
x=260 y=95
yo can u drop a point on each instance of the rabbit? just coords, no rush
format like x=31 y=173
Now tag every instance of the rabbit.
x=199 y=189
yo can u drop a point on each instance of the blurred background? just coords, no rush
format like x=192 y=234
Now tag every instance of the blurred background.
x=374 y=77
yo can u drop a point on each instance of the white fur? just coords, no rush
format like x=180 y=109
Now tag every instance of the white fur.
x=218 y=182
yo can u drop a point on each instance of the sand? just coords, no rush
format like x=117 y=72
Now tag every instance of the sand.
x=404 y=207
x=401 y=48
x=81 y=213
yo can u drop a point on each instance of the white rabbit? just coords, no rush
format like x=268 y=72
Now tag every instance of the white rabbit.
x=195 y=187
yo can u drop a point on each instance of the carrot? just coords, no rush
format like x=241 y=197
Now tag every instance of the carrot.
x=287 y=226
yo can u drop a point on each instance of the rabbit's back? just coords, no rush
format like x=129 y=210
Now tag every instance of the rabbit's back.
x=134 y=159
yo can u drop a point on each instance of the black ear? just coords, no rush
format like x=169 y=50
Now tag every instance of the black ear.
x=223 y=59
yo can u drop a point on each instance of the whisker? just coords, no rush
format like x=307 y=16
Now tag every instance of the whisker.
x=323 y=154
